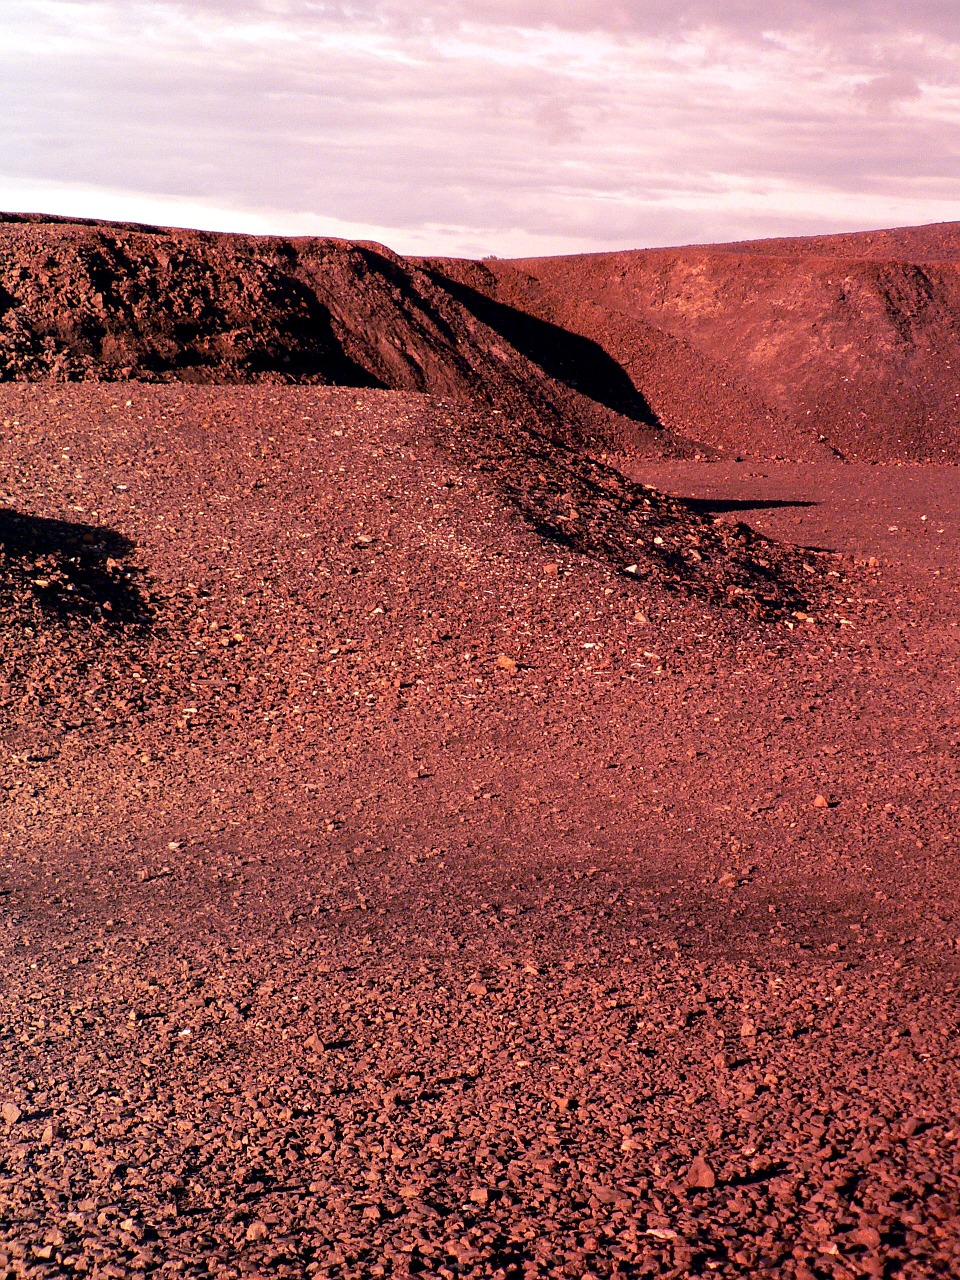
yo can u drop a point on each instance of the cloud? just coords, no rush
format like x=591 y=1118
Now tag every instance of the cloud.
x=893 y=87
x=490 y=126
x=826 y=18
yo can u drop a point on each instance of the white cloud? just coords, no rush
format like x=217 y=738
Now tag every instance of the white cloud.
x=79 y=201
x=488 y=127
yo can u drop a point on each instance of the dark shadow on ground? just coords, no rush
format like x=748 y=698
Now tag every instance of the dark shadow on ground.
x=578 y=363
x=58 y=571
x=719 y=506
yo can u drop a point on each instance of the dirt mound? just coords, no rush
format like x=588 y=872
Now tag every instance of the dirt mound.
x=588 y=507
x=93 y=301
x=235 y=538
x=845 y=345
x=805 y=349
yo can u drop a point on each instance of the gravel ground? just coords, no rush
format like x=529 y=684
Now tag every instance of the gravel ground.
x=392 y=883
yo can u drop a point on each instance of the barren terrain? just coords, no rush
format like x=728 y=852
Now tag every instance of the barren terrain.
x=832 y=346
x=426 y=849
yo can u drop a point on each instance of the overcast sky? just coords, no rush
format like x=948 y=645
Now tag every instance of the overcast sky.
x=539 y=126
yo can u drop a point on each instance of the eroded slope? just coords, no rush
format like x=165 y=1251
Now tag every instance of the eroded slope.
x=94 y=301
x=800 y=349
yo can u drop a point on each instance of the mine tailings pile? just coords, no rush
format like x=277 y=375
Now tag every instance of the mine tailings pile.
x=834 y=346
x=105 y=302
x=818 y=348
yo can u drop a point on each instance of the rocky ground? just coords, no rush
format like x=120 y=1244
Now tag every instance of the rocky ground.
x=399 y=878
x=806 y=350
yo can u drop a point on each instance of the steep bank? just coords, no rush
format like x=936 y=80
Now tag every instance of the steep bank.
x=843 y=345
x=104 y=302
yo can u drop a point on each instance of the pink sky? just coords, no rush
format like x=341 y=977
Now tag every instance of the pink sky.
x=491 y=127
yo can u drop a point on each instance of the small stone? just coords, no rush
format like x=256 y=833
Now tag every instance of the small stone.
x=821 y=802
x=480 y=1195
x=748 y=1029
x=506 y=664
x=477 y=989
x=869 y=1237
x=10 y=1113
x=700 y=1176
x=256 y=1231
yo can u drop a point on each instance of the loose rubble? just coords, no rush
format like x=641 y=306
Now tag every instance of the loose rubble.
x=333 y=944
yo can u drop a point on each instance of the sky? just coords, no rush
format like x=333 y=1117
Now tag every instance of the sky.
x=440 y=126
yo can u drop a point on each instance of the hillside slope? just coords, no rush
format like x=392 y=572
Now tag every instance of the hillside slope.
x=701 y=397
x=797 y=348
x=805 y=349
x=95 y=301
